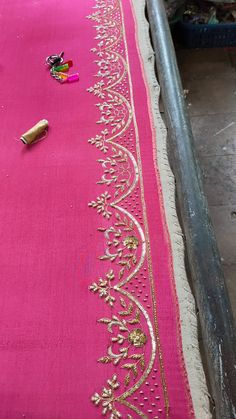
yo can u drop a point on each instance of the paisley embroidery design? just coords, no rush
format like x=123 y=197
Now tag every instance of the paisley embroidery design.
x=123 y=286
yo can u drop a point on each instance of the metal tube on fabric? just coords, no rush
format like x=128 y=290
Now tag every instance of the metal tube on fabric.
x=215 y=313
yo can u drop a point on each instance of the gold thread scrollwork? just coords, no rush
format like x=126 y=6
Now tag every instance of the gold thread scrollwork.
x=129 y=325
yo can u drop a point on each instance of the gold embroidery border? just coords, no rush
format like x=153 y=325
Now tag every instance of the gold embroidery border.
x=117 y=288
x=154 y=337
x=149 y=257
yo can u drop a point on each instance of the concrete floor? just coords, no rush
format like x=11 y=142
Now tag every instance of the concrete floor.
x=210 y=77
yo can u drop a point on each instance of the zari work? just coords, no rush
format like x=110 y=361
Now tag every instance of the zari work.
x=128 y=287
x=90 y=323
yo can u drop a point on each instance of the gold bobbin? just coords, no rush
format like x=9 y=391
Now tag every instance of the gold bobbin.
x=35 y=133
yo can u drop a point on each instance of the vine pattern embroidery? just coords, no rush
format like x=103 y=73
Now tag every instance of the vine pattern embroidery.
x=129 y=326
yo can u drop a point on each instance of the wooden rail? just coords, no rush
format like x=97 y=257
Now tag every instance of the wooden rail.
x=215 y=314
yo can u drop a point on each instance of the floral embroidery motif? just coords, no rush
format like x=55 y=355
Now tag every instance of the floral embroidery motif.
x=100 y=141
x=127 y=257
x=131 y=242
x=137 y=338
x=125 y=339
x=107 y=398
x=117 y=170
x=112 y=69
x=132 y=346
x=103 y=288
x=102 y=205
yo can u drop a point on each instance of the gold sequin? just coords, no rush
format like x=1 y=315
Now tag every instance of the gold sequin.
x=131 y=242
x=137 y=338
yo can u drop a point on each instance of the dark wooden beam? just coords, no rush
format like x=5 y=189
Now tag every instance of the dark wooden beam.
x=215 y=314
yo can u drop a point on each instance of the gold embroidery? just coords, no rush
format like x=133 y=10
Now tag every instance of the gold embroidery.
x=123 y=252
x=164 y=385
x=122 y=324
x=107 y=398
x=116 y=113
x=99 y=141
x=117 y=170
x=131 y=242
x=103 y=288
x=137 y=338
x=142 y=242
x=125 y=241
x=147 y=371
x=112 y=68
x=134 y=408
x=102 y=205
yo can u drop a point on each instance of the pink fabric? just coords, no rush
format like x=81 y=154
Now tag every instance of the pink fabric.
x=51 y=249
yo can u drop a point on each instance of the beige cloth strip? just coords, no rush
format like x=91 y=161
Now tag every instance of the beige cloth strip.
x=189 y=325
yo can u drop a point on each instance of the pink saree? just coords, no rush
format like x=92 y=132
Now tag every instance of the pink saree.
x=89 y=313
